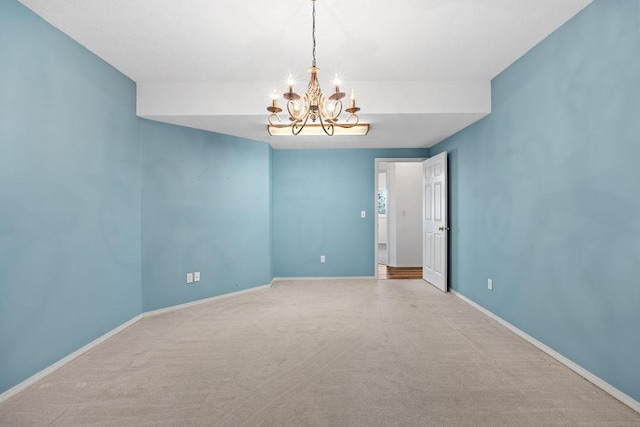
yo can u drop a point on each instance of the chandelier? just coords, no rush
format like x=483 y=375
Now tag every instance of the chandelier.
x=315 y=106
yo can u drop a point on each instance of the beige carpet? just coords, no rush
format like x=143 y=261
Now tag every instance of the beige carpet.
x=318 y=353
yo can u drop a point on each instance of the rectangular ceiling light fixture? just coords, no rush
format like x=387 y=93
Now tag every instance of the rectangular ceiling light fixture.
x=316 y=129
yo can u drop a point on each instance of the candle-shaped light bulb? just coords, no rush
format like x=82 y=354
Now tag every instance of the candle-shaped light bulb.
x=336 y=83
x=290 y=82
x=274 y=98
x=353 y=98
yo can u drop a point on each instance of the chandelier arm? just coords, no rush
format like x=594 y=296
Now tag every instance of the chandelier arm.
x=334 y=114
x=330 y=127
x=292 y=114
x=306 y=111
x=278 y=124
x=346 y=124
x=294 y=126
x=322 y=111
x=302 y=115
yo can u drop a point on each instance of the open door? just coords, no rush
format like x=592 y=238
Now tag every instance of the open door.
x=434 y=221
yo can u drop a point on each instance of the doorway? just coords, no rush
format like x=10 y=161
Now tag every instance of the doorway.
x=398 y=218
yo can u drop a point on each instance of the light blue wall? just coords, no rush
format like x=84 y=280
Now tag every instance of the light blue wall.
x=317 y=199
x=545 y=194
x=71 y=180
x=206 y=206
x=69 y=196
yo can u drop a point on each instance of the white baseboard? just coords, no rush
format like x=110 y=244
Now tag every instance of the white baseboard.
x=60 y=363
x=290 y=279
x=599 y=382
x=67 y=359
x=203 y=301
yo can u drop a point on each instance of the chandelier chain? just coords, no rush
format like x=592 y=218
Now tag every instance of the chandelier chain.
x=313 y=32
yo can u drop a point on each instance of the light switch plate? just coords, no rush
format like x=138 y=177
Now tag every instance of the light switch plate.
x=322 y=259
x=363 y=214
x=490 y=284
x=189 y=277
x=196 y=276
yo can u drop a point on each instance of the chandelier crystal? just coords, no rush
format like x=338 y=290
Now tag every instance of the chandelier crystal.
x=323 y=112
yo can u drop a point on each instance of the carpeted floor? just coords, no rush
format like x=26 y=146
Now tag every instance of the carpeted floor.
x=318 y=353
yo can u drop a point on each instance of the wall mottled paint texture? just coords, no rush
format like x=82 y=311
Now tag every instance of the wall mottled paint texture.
x=206 y=206
x=94 y=199
x=69 y=196
x=317 y=199
x=545 y=194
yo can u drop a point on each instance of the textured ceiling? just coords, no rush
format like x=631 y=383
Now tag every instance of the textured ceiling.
x=256 y=44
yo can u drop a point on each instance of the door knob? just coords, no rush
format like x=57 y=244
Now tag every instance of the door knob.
x=443 y=228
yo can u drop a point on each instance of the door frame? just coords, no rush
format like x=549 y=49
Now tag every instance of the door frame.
x=375 y=199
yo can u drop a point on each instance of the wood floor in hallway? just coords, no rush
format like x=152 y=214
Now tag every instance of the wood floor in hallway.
x=386 y=272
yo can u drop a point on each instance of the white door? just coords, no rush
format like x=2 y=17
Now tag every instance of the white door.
x=434 y=221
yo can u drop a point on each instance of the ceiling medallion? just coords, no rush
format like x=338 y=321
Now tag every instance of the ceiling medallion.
x=315 y=106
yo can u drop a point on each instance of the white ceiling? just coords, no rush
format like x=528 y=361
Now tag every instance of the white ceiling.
x=421 y=68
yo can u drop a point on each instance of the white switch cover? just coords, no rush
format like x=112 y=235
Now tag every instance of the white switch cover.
x=189 y=277
x=363 y=214
x=321 y=258
x=490 y=284
x=196 y=276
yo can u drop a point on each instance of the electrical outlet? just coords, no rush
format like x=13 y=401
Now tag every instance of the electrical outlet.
x=322 y=258
x=196 y=276
x=490 y=284
x=189 y=277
